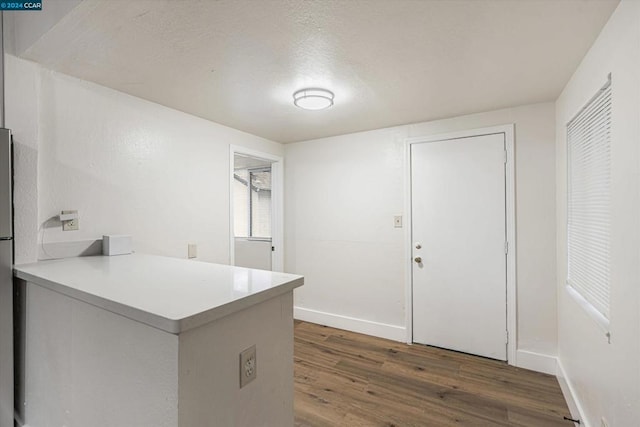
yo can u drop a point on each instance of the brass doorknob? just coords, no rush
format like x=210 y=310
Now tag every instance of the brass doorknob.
x=418 y=259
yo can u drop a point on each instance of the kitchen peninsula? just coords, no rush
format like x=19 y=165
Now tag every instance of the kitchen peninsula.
x=144 y=340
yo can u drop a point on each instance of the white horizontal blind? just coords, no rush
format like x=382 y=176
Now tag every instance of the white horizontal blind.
x=589 y=204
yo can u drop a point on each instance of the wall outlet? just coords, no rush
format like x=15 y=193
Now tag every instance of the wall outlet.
x=71 y=224
x=397 y=221
x=248 y=366
x=192 y=250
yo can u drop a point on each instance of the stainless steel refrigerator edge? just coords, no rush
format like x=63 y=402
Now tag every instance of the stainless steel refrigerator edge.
x=6 y=259
x=6 y=282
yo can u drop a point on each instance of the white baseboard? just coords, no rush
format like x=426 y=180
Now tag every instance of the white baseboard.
x=537 y=362
x=570 y=396
x=382 y=330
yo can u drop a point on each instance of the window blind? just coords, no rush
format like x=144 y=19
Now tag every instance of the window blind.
x=589 y=201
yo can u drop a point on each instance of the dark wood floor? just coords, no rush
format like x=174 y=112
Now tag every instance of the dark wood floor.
x=347 y=379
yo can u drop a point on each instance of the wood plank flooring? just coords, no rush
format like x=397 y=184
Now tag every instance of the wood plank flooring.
x=348 y=379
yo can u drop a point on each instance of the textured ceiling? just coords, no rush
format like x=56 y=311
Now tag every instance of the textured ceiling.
x=389 y=62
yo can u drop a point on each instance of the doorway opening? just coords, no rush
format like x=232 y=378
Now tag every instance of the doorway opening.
x=255 y=210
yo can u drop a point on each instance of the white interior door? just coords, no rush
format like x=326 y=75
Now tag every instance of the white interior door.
x=459 y=235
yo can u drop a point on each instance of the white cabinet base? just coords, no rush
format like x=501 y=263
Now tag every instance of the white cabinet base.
x=86 y=366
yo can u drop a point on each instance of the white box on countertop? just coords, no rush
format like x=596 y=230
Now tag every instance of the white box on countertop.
x=116 y=244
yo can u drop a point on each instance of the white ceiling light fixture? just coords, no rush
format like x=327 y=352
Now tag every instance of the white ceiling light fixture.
x=313 y=99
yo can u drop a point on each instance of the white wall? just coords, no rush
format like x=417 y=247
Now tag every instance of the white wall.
x=340 y=197
x=21 y=116
x=605 y=378
x=127 y=165
x=342 y=193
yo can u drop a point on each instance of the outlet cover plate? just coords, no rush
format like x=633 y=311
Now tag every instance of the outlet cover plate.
x=72 y=224
x=248 y=366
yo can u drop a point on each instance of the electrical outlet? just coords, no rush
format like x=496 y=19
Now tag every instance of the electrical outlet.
x=192 y=250
x=71 y=224
x=397 y=221
x=248 y=366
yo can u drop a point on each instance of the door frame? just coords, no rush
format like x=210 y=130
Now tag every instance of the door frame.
x=277 y=204
x=511 y=297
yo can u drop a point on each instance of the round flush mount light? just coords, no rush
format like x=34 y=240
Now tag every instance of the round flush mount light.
x=313 y=99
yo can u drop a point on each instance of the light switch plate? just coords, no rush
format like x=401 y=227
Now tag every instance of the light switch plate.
x=397 y=221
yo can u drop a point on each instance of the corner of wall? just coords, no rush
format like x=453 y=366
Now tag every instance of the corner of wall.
x=537 y=362
x=8 y=33
x=570 y=396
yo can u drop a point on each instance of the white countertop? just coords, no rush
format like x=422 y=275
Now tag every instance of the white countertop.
x=167 y=293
